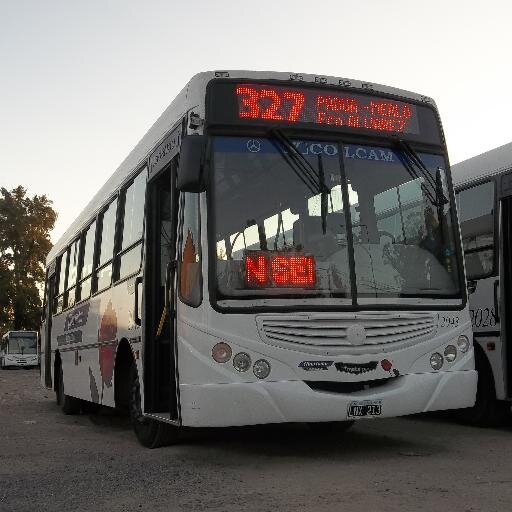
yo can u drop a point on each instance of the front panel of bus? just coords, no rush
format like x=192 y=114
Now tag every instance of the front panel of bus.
x=19 y=349
x=333 y=273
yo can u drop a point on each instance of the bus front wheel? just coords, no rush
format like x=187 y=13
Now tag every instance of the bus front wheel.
x=150 y=433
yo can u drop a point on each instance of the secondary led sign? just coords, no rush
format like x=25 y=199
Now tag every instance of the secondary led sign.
x=265 y=269
x=324 y=107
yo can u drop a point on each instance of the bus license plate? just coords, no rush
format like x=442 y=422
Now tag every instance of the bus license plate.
x=364 y=408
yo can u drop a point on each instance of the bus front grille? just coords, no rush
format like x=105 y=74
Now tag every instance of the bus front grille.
x=356 y=332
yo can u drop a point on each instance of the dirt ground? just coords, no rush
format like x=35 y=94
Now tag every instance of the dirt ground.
x=49 y=461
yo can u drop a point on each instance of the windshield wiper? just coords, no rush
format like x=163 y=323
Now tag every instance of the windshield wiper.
x=313 y=179
x=411 y=162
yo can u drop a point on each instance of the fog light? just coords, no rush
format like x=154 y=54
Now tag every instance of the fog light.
x=436 y=361
x=463 y=343
x=261 y=368
x=242 y=362
x=450 y=353
x=221 y=352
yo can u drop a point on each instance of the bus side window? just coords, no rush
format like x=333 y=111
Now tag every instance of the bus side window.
x=129 y=252
x=476 y=216
x=103 y=271
x=70 y=296
x=60 y=283
x=87 y=254
x=45 y=297
x=190 y=251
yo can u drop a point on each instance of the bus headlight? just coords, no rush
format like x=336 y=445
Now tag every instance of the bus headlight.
x=463 y=343
x=221 y=352
x=242 y=362
x=436 y=361
x=261 y=368
x=450 y=353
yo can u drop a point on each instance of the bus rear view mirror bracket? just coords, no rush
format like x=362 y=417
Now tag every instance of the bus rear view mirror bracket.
x=191 y=172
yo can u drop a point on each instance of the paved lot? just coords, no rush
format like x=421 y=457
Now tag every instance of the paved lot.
x=49 y=461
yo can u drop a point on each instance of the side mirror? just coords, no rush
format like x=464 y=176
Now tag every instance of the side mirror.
x=191 y=176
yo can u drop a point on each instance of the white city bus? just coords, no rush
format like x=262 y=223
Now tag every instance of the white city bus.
x=277 y=248
x=19 y=348
x=484 y=198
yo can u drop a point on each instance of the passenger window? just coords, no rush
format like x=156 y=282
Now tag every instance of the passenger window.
x=88 y=239
x=190 y=252
x=130 y=251
x=69 y=299
x=108 y=228
x=133 y=221
x=476 y=216
x=59 y=273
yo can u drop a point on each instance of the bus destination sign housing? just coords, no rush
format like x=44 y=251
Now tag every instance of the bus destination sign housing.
x=271 y=104
x=276 y=103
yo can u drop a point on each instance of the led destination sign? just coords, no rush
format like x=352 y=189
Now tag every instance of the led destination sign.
x=325 y=107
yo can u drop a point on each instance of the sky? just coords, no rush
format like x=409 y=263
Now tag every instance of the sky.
x=82 y=81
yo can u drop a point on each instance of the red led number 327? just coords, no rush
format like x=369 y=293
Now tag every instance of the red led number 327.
x=268 y=103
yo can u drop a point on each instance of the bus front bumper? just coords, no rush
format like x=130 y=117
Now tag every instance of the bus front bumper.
x=222 y=405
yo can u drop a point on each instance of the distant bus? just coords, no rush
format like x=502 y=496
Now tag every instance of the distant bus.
x=19 y=348
x=484 y=197
x=277 y=248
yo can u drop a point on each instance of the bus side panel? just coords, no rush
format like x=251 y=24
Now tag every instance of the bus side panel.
x=87 y=337
x=487 y=328
x=75 y=338
x=117 y=324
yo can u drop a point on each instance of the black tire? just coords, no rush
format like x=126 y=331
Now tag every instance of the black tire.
x=150 y=433
x=331 y=427
x=68 y=404
x=487 y=411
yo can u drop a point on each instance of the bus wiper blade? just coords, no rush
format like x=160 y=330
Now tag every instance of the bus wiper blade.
x=413 y=156
x=411 y=162
x=296 y=160
x=314 y=180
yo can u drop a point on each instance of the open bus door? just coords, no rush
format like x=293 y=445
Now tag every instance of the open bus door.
x=161 y=398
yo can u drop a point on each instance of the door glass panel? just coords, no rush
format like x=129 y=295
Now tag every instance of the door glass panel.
x=476 y=216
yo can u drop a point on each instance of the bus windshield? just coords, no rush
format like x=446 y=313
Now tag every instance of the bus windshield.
x=281 y=223
x=23 y=344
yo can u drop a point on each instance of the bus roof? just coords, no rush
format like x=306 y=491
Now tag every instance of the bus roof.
x=481 y=166
x=192 y=96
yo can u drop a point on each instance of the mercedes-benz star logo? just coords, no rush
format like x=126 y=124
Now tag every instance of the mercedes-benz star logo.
x=253 y=145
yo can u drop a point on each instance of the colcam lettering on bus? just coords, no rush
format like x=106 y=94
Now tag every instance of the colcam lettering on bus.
x=368 y=154
x=316 y=148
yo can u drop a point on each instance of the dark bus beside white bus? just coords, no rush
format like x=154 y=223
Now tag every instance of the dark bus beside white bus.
x=277 y=248
x=484 y=198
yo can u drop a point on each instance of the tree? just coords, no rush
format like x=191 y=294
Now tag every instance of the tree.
x=25 y=224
